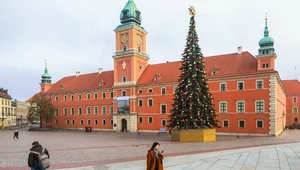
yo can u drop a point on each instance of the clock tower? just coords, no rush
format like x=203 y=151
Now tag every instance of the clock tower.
x=130 y=60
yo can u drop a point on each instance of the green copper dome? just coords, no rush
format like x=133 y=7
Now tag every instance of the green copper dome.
x=46 y=77
x=267 y=43
x=130 y=13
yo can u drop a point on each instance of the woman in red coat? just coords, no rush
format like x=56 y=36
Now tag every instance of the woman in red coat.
x=155 y=158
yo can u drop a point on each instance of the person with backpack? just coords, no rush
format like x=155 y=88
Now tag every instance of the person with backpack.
x=155 y=158
x=39 y=158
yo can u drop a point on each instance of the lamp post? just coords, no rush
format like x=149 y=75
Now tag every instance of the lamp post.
x=3 y=120
x=21 y=120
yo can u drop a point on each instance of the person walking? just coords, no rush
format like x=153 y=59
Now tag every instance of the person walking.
x=155 y=158
x=16 y=134
x=38 y=157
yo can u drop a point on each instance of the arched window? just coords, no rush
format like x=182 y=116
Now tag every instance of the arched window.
x=123 y=78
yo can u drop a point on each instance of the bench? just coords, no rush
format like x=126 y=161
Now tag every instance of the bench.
x=162 y=131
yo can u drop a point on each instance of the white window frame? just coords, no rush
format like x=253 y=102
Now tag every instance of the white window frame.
x=149 y=119
x=111 y=121
x=237 y=83
x=81 y=121
x=56 y=121
x=96 y=109
x=262 y=84
x=161 y=122
x=295 y=107
x=65 y=110
x=103 y=95
x=140 y=105
x=73 y=121
x=95 y=95
x=140 y=117
x=111 y=94
x=65 y=97
x=79 y=96
x=295 y=101
x=111 y=109
x=72 y=110
x=221 y=108
x=88 y=96
x=67 y=121
x=150 y=89
x=88 y=121
x=161 y=108
x=56 y=111
x=149 y=102
x=256 y=101
x=140 y=91
x=174 y=89
x=221 y=86
x=124 y=76
x=102 y=110
x=244 y=123
x=96 y=121
x=87 y=110
x=56 y=98
x=161 y=90
x=123 y=92
x=104 y=122
x=262 y=123
x=237 y=106
x=223 y=120
x=72 y=97
x=79 y=109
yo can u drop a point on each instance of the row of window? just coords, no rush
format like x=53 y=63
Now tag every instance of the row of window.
x=241 y=85
x=88 y=110
x=6 y=102
x=96 y=121
x=7 y=110
x=163 y=106
x=88 y=96
x=242 y=123
x=240 y=106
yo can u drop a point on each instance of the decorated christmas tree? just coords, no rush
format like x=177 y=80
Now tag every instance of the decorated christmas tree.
x=193 y=106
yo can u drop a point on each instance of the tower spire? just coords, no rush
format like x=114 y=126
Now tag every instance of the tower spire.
x=266 y=32
x=46 y=77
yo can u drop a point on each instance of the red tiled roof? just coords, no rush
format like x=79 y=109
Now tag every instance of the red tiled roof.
x=226 y=65
x=84 y=82
x=39 y=93
x=291 y=86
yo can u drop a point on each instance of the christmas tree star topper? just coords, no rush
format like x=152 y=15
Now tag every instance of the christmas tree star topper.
x=192 y=11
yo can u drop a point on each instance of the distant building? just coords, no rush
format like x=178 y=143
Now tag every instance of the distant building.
x=6 y=109
x=248 y=93
x=21 y=111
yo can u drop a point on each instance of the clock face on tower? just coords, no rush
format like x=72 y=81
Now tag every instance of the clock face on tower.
x=139 y=39
x=124 y=38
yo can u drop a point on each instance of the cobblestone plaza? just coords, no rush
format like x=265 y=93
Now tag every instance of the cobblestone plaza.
x=111 y=150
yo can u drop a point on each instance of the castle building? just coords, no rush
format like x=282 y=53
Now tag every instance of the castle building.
x=248 y=93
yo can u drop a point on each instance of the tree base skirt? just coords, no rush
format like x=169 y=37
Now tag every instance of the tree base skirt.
x=194 y=135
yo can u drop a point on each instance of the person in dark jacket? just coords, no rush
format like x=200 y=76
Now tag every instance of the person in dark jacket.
x=16 y=134
x=155 y=158
x=33 y=159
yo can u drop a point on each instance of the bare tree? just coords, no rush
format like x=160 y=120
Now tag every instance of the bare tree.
x=41 y=109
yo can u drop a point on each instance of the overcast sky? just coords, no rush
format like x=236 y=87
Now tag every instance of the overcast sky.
x=77 y=35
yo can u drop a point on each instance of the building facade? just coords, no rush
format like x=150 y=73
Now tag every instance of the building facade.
x=248 y=93
x=292 y=101
x=8 y=117
x=21 y=112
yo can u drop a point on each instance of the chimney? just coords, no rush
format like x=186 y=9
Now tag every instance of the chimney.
x=100 y=70
x=240 y=49
x=77 y=73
